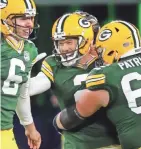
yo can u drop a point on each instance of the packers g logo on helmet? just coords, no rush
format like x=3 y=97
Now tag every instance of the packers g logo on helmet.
x=84 y=23
x=115 y=39
x=104 y=35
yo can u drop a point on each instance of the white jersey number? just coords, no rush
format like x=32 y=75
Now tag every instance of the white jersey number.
x=77 y=81
x=12 y=77
x=130 y=94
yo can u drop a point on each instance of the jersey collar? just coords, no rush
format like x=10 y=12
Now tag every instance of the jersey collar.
x=16 y=45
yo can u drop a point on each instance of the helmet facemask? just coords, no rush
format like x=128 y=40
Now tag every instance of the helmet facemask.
x=70 y=57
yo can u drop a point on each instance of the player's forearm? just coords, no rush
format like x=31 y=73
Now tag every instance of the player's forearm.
x=23 y=108
x=23 y=111
x=57 y=123
x=87 y=105
x=91 y=101
x=39 y=84
x=68 y=118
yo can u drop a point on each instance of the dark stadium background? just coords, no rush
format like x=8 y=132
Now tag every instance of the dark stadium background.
x=44 y=106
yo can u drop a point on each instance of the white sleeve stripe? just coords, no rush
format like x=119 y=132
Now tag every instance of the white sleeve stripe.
x=94 y=80
x=47 y=69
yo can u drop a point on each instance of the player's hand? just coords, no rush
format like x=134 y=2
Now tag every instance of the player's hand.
x=34 y=139
x=33 y=136
x=90 y=56
x=92 y=50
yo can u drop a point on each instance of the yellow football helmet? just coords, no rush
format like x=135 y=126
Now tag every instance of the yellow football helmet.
x=11 y=9
x=78 y=25
x=115 y=39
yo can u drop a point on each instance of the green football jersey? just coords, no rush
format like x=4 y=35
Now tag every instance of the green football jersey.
x=15 y=69
x=123 y=82
x=67 y=84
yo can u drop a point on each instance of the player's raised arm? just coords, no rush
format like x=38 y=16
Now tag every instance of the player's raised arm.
x=23 y=111
x=88 y=103
x=44 y=79
x=39 y=84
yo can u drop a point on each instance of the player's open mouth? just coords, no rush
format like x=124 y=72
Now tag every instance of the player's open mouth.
x=70 y=54
x=66 y=56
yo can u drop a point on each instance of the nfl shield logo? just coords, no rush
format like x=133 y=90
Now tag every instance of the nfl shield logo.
x=26 y=56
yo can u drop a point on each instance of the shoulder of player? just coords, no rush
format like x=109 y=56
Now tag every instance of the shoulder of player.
x=98 y=76
x=100 y=69
x=50 y=58
x=48 y=66
x=30 y=47
x=106 y=69
x=29 y=42
x=4 y=45
x=51 y=61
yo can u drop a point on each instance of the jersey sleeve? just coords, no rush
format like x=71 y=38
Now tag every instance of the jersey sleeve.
x=47 y=69
x=96 y=79
x=99 y=79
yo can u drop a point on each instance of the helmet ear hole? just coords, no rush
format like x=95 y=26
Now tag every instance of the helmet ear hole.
x=117 y=30
x=2 y=22
x=129 y=37
x=110 y=53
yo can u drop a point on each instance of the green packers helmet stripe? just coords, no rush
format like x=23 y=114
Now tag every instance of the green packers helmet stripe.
x=28 y=4
x=136 y=38
x=60 y=23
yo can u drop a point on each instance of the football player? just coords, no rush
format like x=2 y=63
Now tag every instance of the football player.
x=17 y=57
x=66 y=70
x=116 y=86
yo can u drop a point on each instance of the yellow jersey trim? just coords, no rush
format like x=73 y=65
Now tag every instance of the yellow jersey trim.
x=16 y=45
x=95 y=80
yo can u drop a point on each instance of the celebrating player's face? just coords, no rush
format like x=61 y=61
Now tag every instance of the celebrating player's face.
x=68 y=46
x=23 y=26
